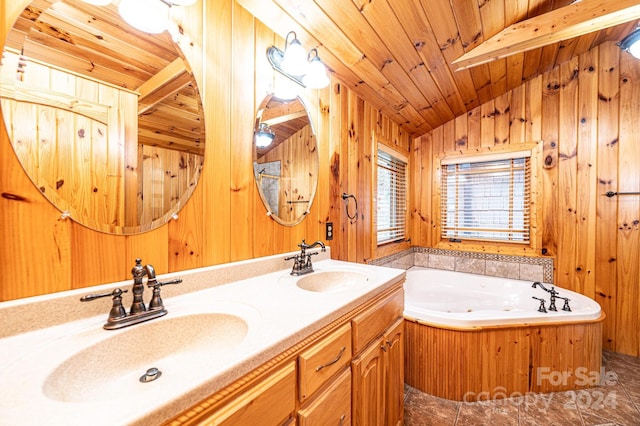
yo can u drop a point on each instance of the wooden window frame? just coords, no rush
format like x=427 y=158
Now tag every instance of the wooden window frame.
x=387 y=247
x=533 y=247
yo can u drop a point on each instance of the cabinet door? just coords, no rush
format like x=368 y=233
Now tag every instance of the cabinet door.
x=394 y=374
x=368 y=385
x=332 y=406
x=270 y=403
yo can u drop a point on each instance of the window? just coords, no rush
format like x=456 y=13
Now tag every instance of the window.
x=392 y=199
x=487 y=197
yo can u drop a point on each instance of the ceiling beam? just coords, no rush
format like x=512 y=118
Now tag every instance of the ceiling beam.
x=567 y=22
x=168 y=81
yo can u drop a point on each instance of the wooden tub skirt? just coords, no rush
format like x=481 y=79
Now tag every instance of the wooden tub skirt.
x=481 y=363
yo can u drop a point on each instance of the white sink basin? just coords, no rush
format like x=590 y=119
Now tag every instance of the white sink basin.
x=332 y=281
x=176 y=346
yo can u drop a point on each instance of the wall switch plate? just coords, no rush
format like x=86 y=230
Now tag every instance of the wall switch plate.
x=329 y=231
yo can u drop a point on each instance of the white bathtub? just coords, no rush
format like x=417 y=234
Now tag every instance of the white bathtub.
x=447 y=298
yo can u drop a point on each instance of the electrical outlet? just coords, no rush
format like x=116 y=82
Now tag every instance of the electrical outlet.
x=329 y=231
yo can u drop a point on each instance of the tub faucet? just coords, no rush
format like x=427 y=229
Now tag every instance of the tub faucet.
x=118 y=316
x=302 y=262
x=539 y=284
x=553 y=295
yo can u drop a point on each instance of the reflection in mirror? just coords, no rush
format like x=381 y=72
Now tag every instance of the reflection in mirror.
x=285 y=170
x=106 y=120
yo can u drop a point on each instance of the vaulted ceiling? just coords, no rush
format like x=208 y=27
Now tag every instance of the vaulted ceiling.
x=399 y=54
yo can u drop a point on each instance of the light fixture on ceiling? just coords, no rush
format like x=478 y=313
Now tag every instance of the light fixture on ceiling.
x=264 y=136
x=305 y=69
x=150 y=16
x=631 y=43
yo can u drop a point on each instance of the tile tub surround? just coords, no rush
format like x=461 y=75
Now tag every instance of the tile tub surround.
x=27 y=358
x=496 y=265
x=609 y=404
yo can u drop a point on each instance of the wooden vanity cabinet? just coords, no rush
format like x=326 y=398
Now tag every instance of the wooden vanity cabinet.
x=349 y=372
x=378 y=370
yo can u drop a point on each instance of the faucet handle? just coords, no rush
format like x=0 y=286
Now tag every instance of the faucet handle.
x=156 y=300
x=155 y=283
x=566 y=306
x=117 y=310
x=115 y=293
x=541 y=308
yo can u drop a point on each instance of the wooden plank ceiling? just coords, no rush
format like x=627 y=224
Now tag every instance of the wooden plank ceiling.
x=285 y=118
x=398 y=54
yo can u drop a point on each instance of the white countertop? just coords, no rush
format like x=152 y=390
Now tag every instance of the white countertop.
x=278 y=314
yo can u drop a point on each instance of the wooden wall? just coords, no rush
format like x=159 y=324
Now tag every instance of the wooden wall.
x=224 y=220
x=586 y=114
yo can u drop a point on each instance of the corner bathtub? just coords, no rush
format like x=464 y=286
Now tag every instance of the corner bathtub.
x=473 y=337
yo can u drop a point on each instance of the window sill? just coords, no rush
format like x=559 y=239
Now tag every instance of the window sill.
x=391 y=247
x=516 y=249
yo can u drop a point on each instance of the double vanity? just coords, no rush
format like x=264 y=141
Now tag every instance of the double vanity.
x=242 y=343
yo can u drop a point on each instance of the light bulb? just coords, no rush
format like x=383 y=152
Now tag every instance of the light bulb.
x=286 y=89
x=150 y=16
x=264 y=136
x=295 y=59
x=634 y=49
x=263 y=141
x=316 y=77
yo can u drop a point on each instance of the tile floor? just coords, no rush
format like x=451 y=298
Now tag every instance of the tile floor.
x=616 y=403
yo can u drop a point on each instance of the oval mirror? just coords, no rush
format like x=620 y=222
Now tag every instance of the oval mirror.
x=285 y=167
x=106 y=120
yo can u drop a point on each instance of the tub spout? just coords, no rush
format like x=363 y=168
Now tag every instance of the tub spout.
x=539 y=284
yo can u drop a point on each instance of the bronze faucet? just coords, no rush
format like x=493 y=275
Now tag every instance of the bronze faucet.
x=118 y=317
x=302 y=262
x=553 y=295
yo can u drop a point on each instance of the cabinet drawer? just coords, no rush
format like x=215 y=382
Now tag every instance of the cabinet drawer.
x=269 y=403
x=332 y=407
x=323 y=360
x=375 y=320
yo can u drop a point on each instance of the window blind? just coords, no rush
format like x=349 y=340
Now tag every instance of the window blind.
x=392 y=199
x=486 y=200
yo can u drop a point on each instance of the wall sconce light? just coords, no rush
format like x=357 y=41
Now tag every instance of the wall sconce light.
x=263 y=136
x=150 y=16
x=305 y=69
x=316 y=77
x=631 y=43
